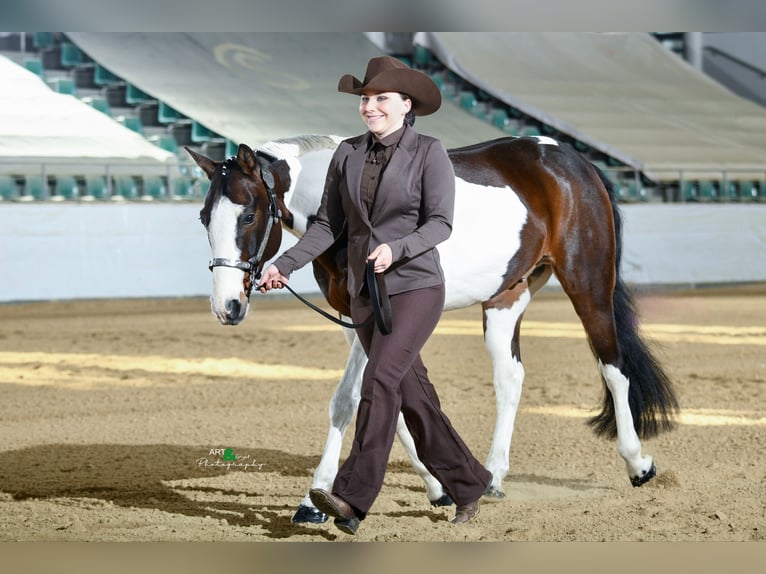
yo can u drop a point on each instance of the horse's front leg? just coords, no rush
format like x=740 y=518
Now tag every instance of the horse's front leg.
x=343 y=405
x=501 y=321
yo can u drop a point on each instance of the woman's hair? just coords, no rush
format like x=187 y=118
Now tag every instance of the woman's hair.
x=409 y=119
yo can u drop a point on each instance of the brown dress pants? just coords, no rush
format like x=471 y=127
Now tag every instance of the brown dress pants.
x=395 y=380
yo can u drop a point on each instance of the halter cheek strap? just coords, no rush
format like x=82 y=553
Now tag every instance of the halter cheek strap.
x=253 y=265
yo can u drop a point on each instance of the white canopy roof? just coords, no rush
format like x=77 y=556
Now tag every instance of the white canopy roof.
x=40 y=126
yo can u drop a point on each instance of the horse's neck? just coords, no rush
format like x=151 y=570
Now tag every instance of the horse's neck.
x=308 y=174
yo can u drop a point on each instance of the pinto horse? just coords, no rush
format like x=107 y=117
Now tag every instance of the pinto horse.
x=525 y=208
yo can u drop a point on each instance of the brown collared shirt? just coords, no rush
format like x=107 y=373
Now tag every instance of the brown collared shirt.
x=378 y=155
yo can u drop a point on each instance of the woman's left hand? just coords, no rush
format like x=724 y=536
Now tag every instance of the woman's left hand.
x=382 y=256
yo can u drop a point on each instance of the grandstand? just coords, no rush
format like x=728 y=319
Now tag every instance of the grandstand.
x=101 y=119
x=662 y=130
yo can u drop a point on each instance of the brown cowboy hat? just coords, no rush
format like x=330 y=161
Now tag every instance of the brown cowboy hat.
x=387 y=74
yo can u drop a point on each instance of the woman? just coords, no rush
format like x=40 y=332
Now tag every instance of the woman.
x=394 y=190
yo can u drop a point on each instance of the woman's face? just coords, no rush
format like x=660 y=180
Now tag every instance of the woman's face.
x=383 y=112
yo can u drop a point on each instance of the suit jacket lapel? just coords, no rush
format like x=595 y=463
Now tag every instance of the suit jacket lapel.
x=354 y=167
x=390 y=182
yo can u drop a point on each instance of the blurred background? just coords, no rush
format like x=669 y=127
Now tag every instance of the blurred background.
x=98 y=198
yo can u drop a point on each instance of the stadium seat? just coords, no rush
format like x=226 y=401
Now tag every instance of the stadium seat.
x=167 y=114
x=499 y=118
x=41 y=40
x=125 y=187
x=132 y=124
x=82 y=74
x=200 y=133
x=135 y=96
x=70 y=55
x=154 y=188
x=115 y=94
x=529 y=131
x=748 y=191
x=422 y=57
x=708 y=190
x=103 y=77
x=183 y=188
x=66 y=188
x=181 y=131
x=35 y=65
x=64 y=86
x=35 y=188
x=9 y=189
x=98 y=103
x=148 y=112
x=690 y=191
x=168 y=143
x=467 y=100
x=95 y=187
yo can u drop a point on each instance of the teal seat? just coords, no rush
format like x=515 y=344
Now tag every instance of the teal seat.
x=708 y=190
x=134 y=96
x=155 y=188
x=166 y=142
x=231 y=148
x=747 y=191
x=125 y=187
x=64 y=86
x=499 y=118
x=529 y=131
x=467 y=101
x=95 y=187
x=168 y=115
x=183 y=188
x=35 y=65
x=70 y=55
x=35 y=188
x=41 y=40
x=690 y=191
x=103 y=77
x=421 y=57
x=66 y=187
x=99 y=104
x=201 y=134
x=9 y=189
x=132 y=124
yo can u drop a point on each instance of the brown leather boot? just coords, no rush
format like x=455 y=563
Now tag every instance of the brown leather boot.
x=345 y=517
x=466 y=512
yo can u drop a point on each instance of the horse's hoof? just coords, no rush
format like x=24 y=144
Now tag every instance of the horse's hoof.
x=445 y=500
x=308 y=514
x=493 y=492
x=639 y=480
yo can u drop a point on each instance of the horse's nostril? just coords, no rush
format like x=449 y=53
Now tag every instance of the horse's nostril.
x=233 y=307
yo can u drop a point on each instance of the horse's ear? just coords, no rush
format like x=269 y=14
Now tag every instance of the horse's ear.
x=247 y=160
x=206 y=164
x=280 y=169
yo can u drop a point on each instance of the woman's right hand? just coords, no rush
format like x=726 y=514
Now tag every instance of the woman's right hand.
x=272 y=278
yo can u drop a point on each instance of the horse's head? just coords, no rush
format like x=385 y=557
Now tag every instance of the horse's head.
x=242 y=215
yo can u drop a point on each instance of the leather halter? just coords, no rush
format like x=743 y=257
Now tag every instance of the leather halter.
x=253 y=265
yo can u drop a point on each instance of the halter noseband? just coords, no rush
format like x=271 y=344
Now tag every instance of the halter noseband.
x=252 y=265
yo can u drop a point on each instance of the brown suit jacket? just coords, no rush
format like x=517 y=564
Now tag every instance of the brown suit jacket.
x=413 y=213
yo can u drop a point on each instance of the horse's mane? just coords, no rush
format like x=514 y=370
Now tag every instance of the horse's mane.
x=303 y=144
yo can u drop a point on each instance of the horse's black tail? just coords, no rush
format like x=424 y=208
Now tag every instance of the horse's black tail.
x=651 y=397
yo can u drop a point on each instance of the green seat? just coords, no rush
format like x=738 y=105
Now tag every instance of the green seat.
x=168 y=115
x=125 y=187
x=64 y=86
x=95 y=187
x=155 y=188
x=231 y=148
x=690 y=191
x=529 y=131
x=421 y=57
x=499 y=118
x=66 y=187
x=708 y=190
x=134 y=96
x=103 y=77
x=35 y=188
x=9 y=189
x=41 y=40
x=166 y=142
x=70 y=55
x=99 y=104
x=133 y=124
x=183 y=188
x=439 y=82
x=35 y=65
x=200 y=133
x=467 y=101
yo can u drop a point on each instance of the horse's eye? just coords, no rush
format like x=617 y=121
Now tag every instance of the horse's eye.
x=249 y=218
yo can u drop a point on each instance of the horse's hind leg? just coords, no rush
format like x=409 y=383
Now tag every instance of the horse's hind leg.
x=594 y=305
x=502 y=316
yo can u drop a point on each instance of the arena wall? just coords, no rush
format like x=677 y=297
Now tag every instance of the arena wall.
x=74 y=251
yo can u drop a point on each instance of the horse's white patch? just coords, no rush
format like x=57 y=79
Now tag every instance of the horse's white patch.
x=222 y=234
x=545 y=140
x=483 y=240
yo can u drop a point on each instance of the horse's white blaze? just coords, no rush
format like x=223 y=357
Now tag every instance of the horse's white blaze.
x=508 y=380
x=476 y=255
x=628 y=445
x=227 y=281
